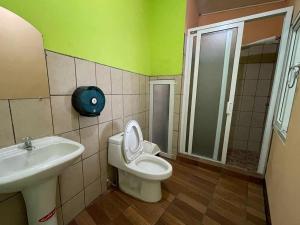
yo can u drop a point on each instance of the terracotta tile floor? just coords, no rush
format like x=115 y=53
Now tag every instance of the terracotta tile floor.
x=192 y=195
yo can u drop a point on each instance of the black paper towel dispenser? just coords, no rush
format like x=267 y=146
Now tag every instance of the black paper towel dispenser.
x=88 y=101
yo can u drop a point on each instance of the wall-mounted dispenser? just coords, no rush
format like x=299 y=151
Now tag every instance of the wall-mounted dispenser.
x=88 y=101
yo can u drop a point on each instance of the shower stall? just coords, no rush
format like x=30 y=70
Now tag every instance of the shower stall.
x=211 y=90
x=230 y=93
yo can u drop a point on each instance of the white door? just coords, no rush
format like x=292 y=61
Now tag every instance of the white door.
x=214 y=54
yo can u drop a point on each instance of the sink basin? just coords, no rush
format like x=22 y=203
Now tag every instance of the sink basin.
x=35 y=174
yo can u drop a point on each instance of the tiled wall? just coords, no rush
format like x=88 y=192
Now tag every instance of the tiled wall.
x=254 y=84
x=126 y=95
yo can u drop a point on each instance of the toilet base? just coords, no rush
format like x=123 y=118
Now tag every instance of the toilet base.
x=145 y=190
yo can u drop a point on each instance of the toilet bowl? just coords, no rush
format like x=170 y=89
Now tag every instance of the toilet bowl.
x=139 y=173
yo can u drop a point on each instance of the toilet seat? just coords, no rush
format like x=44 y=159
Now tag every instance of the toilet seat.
x=150 y=167
x=133 y=141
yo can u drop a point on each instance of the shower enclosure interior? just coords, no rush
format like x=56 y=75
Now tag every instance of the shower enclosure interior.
x=252 y=97
x=228 y=96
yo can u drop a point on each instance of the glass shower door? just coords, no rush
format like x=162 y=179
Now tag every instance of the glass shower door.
x=212 y=88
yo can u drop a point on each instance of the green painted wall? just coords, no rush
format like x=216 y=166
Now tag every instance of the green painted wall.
x=167 y=36
x=132 y=35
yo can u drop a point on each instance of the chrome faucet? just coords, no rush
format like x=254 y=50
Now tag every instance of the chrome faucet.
x=27 y=143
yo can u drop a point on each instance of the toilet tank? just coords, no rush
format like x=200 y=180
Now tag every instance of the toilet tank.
x=115 y=156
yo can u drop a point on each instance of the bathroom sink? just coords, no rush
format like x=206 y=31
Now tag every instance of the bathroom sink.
x=34 y=172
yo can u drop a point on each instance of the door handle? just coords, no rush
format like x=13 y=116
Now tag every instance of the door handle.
x=229 y=108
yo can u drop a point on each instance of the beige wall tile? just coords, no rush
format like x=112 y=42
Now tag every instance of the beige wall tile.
x=6 y=129
x=73 y=207
x=73 y=135
x=245 y=118
x=135 y=84
x=242 y=70
x=106 y=114
x=128 y=104
x=241 y=133
x=146 y=134
x=103 y=78
x=117 y=106
x=105 y=131
x=237 y=103
x=266 y=71
x=142 y=103
x=59 y=216
x=61 y=73
x=65 y=118
x=178 y=81
x=239 y=87
x=127 y=119
x=104 y=166
x=263 y=87
x=258 y=119
x=90 y=140
x=127 y=83
x=249 y=87
x=147 y=85
x=260 y=104
x=164 y=77
x=241 y=145
x=245 y=52
x=92 y=191
x=270 y=48
x=235 y=118
x=254 y=146
x=175 y=121
x=31 y=117
x=58 y=201
x=147 y=118
x=13 y=211
x=252 y=71
x=177 y=104
x=256 y=134
x=246 y=103
x=91 y=169
x=116 y=81
x=147 y=102
x=175 y=140
x=256 y=50
x=85 y=73
x=85 y=121
x=135 y=103
x=141 y=119
x=142 y=84
x=71 y=182
x=118 y=126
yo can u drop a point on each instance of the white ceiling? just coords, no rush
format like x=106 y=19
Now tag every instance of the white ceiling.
x=209 y=6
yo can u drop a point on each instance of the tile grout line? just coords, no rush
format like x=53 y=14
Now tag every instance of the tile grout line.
x=52 y=122
x=12 y=121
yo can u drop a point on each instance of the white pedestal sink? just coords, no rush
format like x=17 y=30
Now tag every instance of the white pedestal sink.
x=35 y=172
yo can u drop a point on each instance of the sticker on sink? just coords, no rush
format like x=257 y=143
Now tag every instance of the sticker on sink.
x=47 y=217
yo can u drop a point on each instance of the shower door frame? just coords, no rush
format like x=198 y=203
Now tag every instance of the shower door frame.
x=171 y=84
x=287 y=12
x=239 y=26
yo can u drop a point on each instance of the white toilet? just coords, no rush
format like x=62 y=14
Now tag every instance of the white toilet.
x=140 y=173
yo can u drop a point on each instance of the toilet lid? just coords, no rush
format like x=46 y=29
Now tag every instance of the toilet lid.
x=133 y=139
